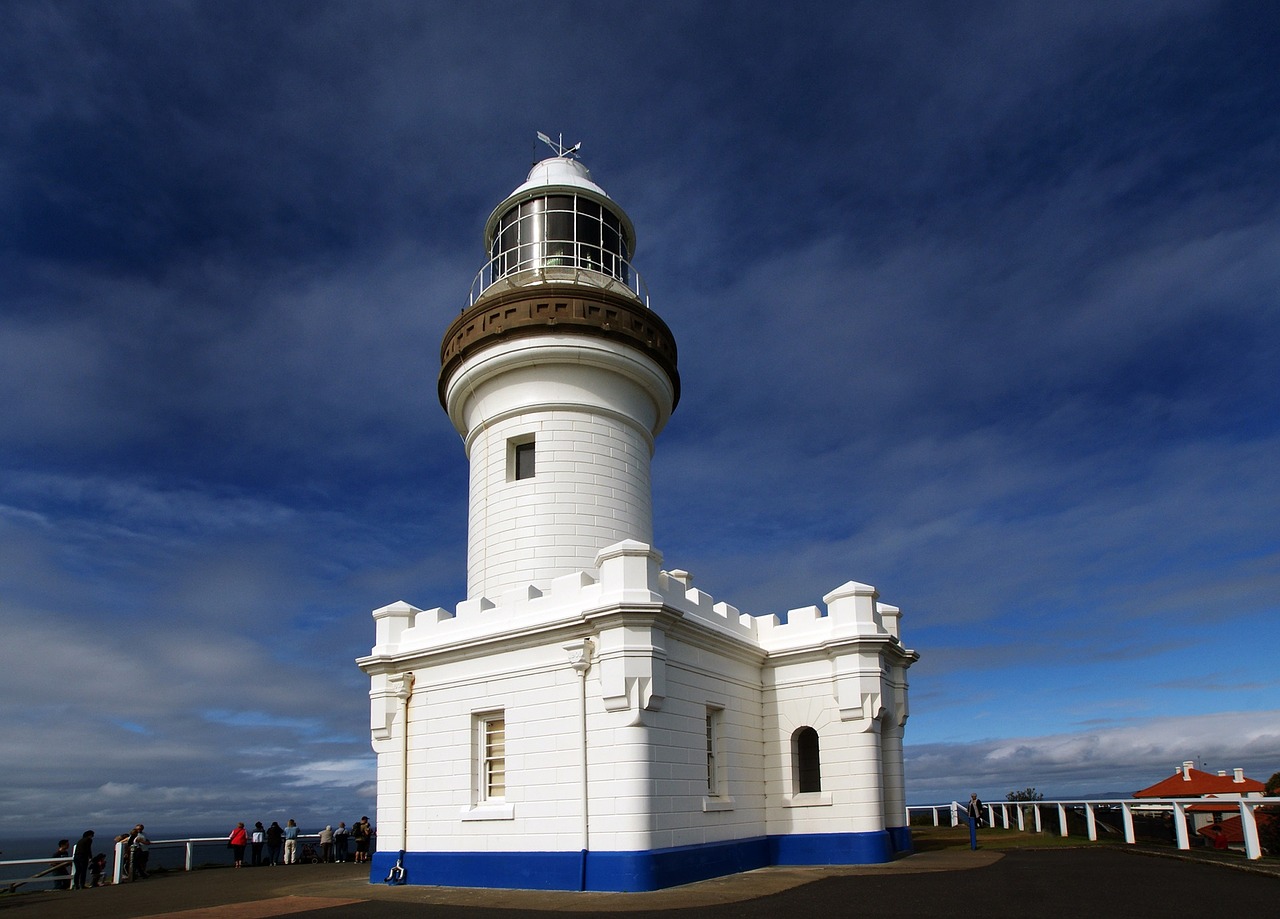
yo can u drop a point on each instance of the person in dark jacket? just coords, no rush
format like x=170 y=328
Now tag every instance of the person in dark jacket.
x=275 y=842
x=64 y=851
x=974 y=812
x=257 y=839
x=81 y=855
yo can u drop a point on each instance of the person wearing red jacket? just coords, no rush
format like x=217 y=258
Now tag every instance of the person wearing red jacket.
x=237 y=841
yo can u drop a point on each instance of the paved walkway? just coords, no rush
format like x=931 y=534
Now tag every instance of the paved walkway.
x=1087 y=881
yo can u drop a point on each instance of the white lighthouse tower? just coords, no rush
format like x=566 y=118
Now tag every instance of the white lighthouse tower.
x=558 y=377
x=585 y=719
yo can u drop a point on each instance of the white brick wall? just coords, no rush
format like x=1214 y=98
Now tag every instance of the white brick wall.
x=581 y=499
x=592 y=407
x=655 y=669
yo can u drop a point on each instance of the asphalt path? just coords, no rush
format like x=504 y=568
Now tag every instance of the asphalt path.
x=1093 y=881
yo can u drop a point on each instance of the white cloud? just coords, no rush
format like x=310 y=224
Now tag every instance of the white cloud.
x=1120 y=757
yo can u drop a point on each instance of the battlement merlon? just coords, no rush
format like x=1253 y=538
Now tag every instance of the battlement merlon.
x=628 y=576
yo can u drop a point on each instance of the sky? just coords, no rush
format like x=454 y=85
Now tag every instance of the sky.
x=976 y=303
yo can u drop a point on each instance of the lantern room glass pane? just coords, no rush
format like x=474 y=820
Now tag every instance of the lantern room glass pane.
x=560 y=225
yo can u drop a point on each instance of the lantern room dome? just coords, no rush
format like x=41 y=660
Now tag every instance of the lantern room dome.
x=563 y=171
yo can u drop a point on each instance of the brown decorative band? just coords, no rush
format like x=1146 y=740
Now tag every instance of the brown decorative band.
x=560 y=308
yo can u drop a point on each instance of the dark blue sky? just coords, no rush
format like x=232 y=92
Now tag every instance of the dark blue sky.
x=975 y=304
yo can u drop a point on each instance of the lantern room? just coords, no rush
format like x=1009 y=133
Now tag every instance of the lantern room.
x=558 y=224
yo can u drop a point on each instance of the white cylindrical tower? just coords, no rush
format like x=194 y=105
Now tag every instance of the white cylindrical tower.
x=558 y=376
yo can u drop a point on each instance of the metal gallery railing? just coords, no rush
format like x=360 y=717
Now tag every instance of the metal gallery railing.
x=541 y=267
x=1096 y=812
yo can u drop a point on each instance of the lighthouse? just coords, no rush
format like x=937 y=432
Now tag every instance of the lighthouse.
x=585 y=718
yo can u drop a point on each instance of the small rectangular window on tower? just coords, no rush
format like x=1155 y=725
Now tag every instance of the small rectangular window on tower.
x=521 y=456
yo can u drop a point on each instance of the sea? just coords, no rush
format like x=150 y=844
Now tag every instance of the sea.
x=171 y=858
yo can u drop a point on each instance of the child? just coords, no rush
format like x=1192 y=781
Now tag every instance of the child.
x=97 y=867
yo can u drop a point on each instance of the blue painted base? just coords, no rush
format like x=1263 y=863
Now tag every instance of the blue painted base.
x=635 y=871
x=831 y=849
x=900 y=839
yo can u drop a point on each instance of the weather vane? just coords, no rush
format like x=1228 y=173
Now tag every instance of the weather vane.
x=558 y=145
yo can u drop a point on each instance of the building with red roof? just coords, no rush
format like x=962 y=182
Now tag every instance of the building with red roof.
x=1189 y=782
x=1207 y=819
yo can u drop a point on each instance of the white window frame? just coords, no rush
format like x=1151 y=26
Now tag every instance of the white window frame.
x=491 y=756
x=716 y=797
x=484 y=804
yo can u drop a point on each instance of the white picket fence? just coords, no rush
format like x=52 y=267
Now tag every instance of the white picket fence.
x=1015 y=814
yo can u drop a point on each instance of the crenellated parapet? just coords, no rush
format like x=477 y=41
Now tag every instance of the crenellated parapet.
x=629 y=579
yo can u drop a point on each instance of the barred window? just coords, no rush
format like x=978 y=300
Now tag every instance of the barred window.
x=714 y=785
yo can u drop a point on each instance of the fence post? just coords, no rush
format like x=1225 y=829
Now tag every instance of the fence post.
x=955 y=813
x=1039 y=828
x=117 y=868
x=1180 y=825
x=1126 y=814
x=1249 y=824
x=935 y=817
x=1062 y=819
x=1022 y=819
x=1091 y=822
x=191 y=848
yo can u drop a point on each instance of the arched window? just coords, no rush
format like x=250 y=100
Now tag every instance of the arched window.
x=806 y=766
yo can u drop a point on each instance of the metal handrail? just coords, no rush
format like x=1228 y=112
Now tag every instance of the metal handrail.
x=576 y=268
x=189 y=844
x=116 y=869
x=47 y=876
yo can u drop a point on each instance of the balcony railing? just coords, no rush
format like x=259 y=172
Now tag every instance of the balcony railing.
x=1175 y=808
x=541 y=267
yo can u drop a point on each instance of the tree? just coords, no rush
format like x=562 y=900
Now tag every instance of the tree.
x=1273 y=786
x=1028 y=794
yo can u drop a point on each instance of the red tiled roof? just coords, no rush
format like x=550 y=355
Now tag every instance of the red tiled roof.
x=1226 y=805
x=1199 y=785
x=1232 y=828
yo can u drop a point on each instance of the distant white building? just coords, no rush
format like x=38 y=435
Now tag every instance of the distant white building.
x=585 y=719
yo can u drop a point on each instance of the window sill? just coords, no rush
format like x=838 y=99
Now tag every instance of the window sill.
x=718 y=803
x=808 y=799
x=489 y=812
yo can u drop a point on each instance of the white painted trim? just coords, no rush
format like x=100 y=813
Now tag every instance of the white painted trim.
x=808 y=799
x=489 y=812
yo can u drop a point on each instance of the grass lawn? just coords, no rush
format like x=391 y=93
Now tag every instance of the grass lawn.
x=933 y=838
